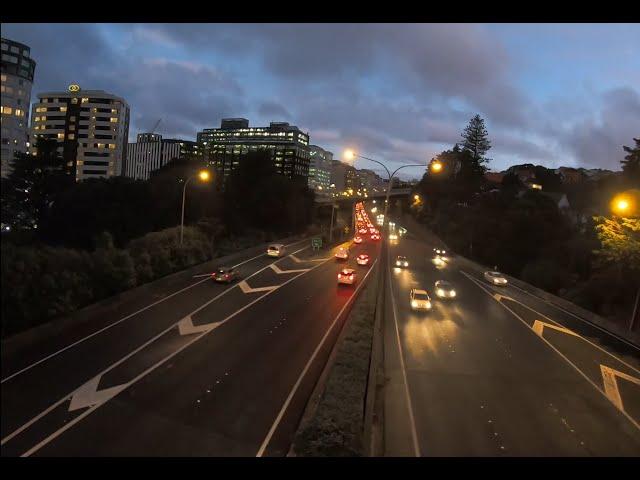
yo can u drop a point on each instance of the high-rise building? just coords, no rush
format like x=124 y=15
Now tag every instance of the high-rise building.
x=344 y=176
x=17 y=77
x=90 y=126
x=319 y=167
x=225 y=146
x=151 y=152
x=370 y=180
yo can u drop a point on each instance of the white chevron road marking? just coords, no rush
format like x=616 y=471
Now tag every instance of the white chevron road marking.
x=275 y=268
x=244 y=286
x=88 y=395
x=186 y=326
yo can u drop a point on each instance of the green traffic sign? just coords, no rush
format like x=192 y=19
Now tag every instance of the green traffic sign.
x=316 y=242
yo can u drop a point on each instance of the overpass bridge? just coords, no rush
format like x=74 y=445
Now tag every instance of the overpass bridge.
x=328 y=198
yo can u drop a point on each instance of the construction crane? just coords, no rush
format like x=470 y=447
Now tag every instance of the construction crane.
x=156 y=125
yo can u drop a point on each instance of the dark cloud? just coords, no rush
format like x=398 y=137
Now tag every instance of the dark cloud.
x=274 y=110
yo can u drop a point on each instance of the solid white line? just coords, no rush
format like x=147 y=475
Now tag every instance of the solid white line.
x=556 y=350
x=276 y=422
x=551 y=304
x=414 y=433
x=153 y=367
x=48 y=357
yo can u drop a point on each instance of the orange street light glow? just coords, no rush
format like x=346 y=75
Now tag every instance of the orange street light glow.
x=204 y=175
x=436 y=166
x=349 y=154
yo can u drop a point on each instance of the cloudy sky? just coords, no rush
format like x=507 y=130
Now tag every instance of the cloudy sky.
x=551 y=94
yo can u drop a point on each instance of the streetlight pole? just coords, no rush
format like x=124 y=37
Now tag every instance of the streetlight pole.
x=204 y=176
x=184 y=195
x=390 y=176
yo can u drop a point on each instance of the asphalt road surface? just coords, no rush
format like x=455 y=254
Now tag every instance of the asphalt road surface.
x=498 y=372
x=203 y=369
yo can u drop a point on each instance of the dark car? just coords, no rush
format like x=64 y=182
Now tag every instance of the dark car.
x=225 y=275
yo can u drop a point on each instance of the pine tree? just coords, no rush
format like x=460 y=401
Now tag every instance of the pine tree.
x=30 y=189
x=475 y=140
x=631 y=164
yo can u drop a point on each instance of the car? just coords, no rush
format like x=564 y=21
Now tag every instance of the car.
x=342 y=254
x=347 y=276
x=357 y=239
x=444 y=289
x=276 y=250
x=401 y=261
x=420 y=299
x=362 y=259
x=362 y=231
x=440 y=251
x=496 y=278
x=375 y=236
x=225 y=275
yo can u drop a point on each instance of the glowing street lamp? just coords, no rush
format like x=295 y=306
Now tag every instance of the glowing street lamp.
x=203 y=176
x=436 y=167
x=624 y=204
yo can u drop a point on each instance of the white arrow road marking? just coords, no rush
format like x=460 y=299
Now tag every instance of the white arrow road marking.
x=186 y=326
x=90 y=410
x=244 y=286
x=575 y=367
x=275 y=268
x=611 y=384
x=538 y=327
x=88 y=395
x=297 y=260
x=499 y=297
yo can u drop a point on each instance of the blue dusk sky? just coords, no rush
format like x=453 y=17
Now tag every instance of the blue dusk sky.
x=551 y=94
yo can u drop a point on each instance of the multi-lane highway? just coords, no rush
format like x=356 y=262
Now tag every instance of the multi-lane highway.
x=499 y=372
x=198 y=369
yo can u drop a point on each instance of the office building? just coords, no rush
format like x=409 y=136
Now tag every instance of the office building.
x=319 y=167
x=17 y=77
x=225 y=146
x=91 y=128
x=151 y=152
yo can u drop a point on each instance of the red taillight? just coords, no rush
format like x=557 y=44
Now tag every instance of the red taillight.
x=226 y=275
x=339 y=275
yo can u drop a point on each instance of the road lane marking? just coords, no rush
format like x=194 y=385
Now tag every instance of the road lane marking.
x=186 y=326
x=414 y=433
x=293 y=391
x=554 y=348
x=297 y=260
x=538 y=327
x=244 y=286
x=88 y=395
x=48 y=357
x=609 y=378
x=141 y=375
x=275 y=268
x=558 y=307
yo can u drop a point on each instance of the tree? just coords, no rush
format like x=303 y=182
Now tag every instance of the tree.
x=475 y=140
x=620 y=241
x=631 y=164
x=30 y=190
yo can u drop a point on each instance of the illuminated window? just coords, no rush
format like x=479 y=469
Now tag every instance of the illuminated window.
x=71 y=136
x=113 y=119
x=19 y=113
x=100 y=145
x=85 y=100
x=7 y=110
x=74 y=100
x=61 y=136
x=112 y=146
x=4 y=78
x=63 y=109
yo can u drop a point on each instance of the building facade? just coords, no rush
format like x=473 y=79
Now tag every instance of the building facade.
x=370 y=180
x=151 y=152
x=91 y=128
x=225 y=146
x=18 y=69
x=319 y=167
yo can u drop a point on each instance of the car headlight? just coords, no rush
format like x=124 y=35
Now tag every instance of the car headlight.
x=452 y=293
x=428 y=304
x=397 y=264
x=414 y=304
x=406 y=264
x=440 y=292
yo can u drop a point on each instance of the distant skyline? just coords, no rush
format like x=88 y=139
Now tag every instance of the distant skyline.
x=551 y=94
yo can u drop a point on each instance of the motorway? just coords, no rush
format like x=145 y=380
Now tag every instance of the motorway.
x=201 y=369
x=497 y=371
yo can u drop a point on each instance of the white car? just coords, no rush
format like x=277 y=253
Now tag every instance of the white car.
x=444 y=289
x=401 y=261
x=420 y=299
x=347 y=276
x=496 y=278
x=276 y=250
x=362 y=259
x=342 y=254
